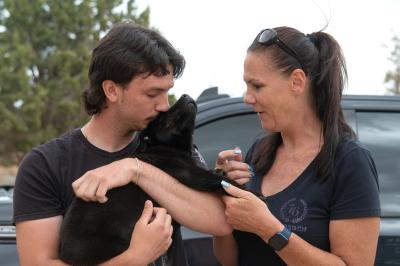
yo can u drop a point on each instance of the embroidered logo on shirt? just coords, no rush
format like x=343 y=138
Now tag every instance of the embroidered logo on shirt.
x=294 y=211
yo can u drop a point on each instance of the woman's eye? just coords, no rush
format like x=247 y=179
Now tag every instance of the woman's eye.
x=257 y=86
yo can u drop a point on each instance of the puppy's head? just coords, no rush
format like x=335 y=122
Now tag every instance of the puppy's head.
x=175 y=127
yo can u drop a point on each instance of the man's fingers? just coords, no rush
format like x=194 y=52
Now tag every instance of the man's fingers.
x=82 y=190
x=168 y=220
x=171 y=231
x=168 y=225
x=147 y=212
x=169 y=242
x=159 y=215
x=76 y=184
x=101 y=193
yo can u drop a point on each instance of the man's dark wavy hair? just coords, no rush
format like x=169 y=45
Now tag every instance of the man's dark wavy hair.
x=125 y=52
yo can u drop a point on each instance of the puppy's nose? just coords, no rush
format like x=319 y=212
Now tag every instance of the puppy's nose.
x=187 y=98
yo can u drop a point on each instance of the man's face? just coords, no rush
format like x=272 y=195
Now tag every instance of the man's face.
x=142 y=100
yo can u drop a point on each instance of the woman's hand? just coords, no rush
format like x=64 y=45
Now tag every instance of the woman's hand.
x=94 y=184
x=230 y=161
x=246 y=212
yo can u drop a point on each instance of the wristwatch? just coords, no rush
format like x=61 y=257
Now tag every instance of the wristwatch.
x=280 y=240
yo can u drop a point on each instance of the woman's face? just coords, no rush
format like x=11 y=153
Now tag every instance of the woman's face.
x=268 y=91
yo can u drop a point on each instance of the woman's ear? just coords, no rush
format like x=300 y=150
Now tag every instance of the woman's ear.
x=298 y=80
x=111 y=90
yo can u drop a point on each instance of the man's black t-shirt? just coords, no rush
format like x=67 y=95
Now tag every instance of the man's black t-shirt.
x=306 y=206
x=43 y=184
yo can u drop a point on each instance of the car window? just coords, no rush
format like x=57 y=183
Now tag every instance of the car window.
x=380 y=131
x=227 y=133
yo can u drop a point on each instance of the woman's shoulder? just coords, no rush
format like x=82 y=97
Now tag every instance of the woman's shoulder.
x=352 y=151
x=348 y=145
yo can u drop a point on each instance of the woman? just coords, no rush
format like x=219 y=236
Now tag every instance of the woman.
x=320 y=203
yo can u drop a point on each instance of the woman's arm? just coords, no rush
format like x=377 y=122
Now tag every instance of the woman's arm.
x=353 y=241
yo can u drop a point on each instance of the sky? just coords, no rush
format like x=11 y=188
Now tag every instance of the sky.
x=213 y=36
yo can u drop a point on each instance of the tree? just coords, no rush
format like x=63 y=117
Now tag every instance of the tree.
x=45 y=47
x=393 y=76
x=171 y=99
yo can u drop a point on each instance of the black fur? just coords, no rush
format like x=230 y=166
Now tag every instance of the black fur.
x=92 y=233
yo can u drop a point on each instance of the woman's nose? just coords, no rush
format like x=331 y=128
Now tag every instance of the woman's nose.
x=249 y=99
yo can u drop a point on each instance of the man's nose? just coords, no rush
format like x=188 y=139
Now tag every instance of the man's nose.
x=163 y=106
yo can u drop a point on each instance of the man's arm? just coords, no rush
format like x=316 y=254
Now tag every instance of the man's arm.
x=200 y=211
x=37 y=241
x=226 y=250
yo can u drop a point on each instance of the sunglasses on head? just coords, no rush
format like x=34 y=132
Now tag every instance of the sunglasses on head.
x=270 y=36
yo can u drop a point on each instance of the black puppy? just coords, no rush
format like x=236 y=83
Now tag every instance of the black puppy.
x=92 y=233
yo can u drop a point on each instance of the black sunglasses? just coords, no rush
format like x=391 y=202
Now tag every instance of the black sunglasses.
x=270 y=36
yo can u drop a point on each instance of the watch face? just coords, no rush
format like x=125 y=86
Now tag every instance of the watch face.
x=278 y=241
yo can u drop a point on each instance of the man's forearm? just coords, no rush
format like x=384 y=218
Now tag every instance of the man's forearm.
x=200 y=211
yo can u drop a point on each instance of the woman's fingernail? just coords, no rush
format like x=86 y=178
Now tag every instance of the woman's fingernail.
x=237 y=150
x=251 y=170
x=225 y=184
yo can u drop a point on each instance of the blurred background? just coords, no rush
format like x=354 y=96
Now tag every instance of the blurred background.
x=45 y=47
x=214 y=36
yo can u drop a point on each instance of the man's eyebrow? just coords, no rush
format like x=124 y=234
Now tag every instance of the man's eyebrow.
x=157 y=89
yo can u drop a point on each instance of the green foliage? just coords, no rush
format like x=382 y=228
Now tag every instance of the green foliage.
x=45 y=47
x=393 y=76
x=171 y=99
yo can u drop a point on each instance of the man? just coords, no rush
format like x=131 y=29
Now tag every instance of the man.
x=131 y=72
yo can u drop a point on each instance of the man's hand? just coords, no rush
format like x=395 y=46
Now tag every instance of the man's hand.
x=230 y=161
x=94 y=184
x=152 y=235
